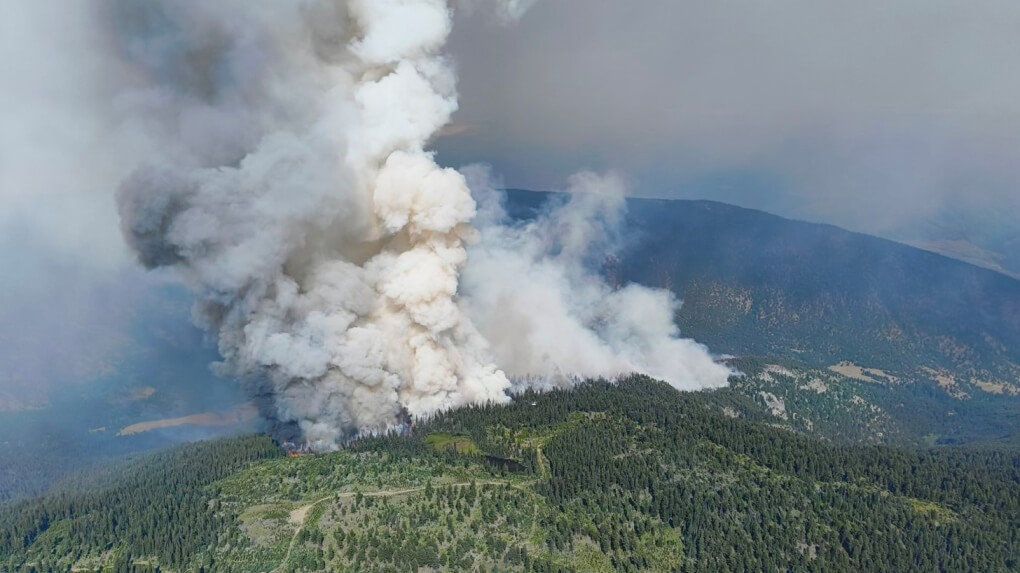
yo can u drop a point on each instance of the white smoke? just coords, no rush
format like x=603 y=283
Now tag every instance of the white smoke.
x=531 y=291
x=294 y=190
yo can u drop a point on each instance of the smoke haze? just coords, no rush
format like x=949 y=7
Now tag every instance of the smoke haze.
x=891 y=118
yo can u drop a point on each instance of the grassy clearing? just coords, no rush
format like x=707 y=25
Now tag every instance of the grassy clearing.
x=365 y=510
x=457 y=443
x=933 y=511
x=360 y=511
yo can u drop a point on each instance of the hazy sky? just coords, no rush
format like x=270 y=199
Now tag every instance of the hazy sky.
x=872 y=114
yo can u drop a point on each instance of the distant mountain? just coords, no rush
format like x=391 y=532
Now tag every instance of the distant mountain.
x=755 y=283
x=942 y=336
x=968 y=253
x=989 y=236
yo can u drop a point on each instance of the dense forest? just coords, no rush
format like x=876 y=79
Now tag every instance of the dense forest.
x=628 y=476
x=748 y=496
x=155 y=506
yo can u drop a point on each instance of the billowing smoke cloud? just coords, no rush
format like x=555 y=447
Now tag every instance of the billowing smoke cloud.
x=293 y=189
x=531 y=290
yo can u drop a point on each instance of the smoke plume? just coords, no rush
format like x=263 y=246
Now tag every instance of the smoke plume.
x=294 y=190
x=531 y=291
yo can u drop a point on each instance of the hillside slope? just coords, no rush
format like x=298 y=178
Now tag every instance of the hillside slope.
x=940 y=336
x=759 y=284
x=635 y=476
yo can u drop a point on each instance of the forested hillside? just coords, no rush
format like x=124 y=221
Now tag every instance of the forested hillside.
x=942 y=337
x=758 y=284
x=627 y=477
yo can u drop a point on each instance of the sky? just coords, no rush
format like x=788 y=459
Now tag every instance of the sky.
x=893 y=117
x=875 y=115
x=889 y=117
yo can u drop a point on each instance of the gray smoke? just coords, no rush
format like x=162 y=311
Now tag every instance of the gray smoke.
x=294 y=190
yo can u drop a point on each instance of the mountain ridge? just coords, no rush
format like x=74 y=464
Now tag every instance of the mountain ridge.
x=810 y=273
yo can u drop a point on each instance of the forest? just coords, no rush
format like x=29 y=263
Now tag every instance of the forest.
x=625 y=476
